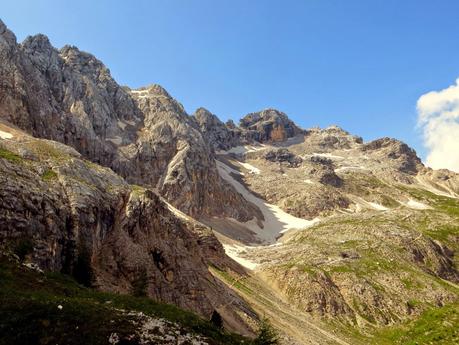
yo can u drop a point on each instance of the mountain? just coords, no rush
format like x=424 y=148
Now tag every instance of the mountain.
x=333 y=239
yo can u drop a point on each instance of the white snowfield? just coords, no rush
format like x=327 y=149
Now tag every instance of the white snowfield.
x=121 y=125
x=5 y=135
x=250 y=168
x=276 y=220
x=327 y=155
x=416 y=205
x=177 y=212
x=141 y=93
x=116 y=140
x=361 y=204
x=344 y=168
x=378 y=207
x=239 y=150
x=234 y=251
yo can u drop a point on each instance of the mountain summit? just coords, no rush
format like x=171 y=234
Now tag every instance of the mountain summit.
x=333 y=239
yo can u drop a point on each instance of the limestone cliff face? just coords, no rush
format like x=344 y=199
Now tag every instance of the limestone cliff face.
x=85 y=220
x=269 y=125
x=143 y=135
x=219 y=136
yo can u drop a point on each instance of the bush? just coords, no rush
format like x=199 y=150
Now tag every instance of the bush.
x=49 y=175
x=22 y=248
x=267 y=335
x=140 y=283
x=216 y=320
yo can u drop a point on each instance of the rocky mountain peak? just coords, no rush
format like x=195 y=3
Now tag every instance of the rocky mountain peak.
x=7 y=37
x=270 y=125
x=205 y=117
x=38 y=41
x=154 y=89
x=82 y=61
x=398 y=153
x=216 y=133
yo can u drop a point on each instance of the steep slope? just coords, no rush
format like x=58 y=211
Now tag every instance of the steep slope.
x=51 y=308
x=342 y=236
x=381 y=247
x=80 y=218
x=143 y=135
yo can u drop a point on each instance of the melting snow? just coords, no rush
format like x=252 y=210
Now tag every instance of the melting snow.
x=141 y=93
x=5 y=135
x=234 y=251
x=327 y=155
x=116 y=140
x=276 y=220
x=350 y=168
x=308 y=181
x=177 y=212
x=416 y=205
x=251 y=168
x=242 y=149
x=378 y=207
x=122 y=125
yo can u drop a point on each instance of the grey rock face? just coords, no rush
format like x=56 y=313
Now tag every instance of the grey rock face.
x=85 y=220
x=220 y=136
x=331 y=138
x=282 y=155
x=323 y=170
x=144 y=135
x=269 y=125
x=396 y=151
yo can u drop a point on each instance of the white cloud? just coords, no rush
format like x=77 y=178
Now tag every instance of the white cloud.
x=438 y=116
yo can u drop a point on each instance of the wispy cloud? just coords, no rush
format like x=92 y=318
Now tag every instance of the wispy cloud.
x=438 y=116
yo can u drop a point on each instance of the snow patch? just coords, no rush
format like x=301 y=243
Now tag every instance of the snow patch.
x=239 y=150
x=5 y=135
x=121 y=125
x=228 y=169
x=416 y=205
x=234 y=252
x=276 y=220
x=251 y=168
x=308 y=181
x=327 y=155
x=177 y=212
x=132 y=123
x=350 y=168
x=378 y=207
x=116 y=140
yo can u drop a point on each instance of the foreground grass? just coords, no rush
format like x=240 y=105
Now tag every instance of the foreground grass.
x=439 y=326
x=51 y=308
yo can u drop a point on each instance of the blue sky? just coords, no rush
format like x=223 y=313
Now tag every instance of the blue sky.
x=359 y=64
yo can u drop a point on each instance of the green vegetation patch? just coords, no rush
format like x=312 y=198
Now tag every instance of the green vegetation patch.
x=9 y=156
x=47 y=150
x=52 y=308
x=49 y=175
x=439 y=326
x=237 y=283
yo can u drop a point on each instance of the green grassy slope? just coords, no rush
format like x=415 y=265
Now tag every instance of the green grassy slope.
x=30 y=312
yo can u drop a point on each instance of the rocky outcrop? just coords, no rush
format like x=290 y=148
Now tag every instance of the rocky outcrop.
x=330 y=138
x=283 y=155
x=83 y=219
x=269 y=125
x=322 y=169
x=144 y=135
x=396 y=153
x=218 y=135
